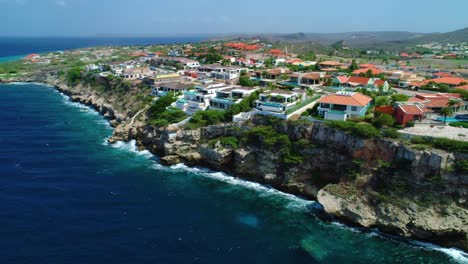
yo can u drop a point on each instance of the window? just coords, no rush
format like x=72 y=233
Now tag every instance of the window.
x=353 y=108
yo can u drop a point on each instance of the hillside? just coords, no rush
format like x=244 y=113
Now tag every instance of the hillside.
x=384 y=39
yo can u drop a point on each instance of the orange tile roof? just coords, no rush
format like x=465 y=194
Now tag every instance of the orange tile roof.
x=449 y=80
x=366 y=65
x=463 y=87
x=330 y=63
x=365 y=70
x=357 y=99
x=442 y=74
x=379 y=82
x=387 y=109
x=411 y=109
x=360 y=80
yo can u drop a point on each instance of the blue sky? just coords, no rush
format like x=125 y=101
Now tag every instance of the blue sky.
x=91 y=17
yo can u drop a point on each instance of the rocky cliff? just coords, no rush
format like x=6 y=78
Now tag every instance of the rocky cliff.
x=378 y=183
x=374 y=182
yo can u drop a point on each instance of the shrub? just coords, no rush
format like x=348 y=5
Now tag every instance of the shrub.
x=462 y=166
x=231 y=142
x=459 y=124
x=160 y=105
x=383 y=120
x=410 y=124
x=360 y=130
x=206 y=118
x=390 y=132
x=419 y=140
x=168 y=117
x=451 y=145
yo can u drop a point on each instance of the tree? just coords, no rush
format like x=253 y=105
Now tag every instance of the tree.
x=446 y=111
x=452 y=102
x=245 y=81
x=443 y=87
x=269 y=62
x=383 y=120
x=398 y=98
x=160 y=105
x=353 y=66
x=73 y=76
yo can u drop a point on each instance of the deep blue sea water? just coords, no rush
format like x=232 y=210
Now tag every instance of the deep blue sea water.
x=68 y=197
x=11 y=47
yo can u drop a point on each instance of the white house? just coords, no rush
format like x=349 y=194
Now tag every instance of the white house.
x=162 y=89
x=227 y=97
x=277 y=101
x=199 y=98
x=343 y=105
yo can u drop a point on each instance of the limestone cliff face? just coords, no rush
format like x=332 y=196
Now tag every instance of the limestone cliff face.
x=323 y=174
x=448 y=226
x=327 y=165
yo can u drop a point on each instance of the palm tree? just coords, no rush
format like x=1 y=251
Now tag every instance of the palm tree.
x=452 y=103
x=446 y=111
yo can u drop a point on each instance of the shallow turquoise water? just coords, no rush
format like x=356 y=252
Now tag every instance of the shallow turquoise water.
x=68 y=197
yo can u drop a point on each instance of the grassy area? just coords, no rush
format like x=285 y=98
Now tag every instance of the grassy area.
x=459 y=124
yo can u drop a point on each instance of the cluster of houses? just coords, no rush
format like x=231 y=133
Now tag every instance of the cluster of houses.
x=193 y=97
x=284 y=92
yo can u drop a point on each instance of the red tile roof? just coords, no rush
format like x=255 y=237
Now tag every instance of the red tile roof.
x=360 y=80
x=365 y=70
x=449 y=80
x=356 y=99
x=386 y=109
x=379 y=82
x=366 y=65
x=463 y=87
x=411 y=109
x=342 y=79
x=442 y=74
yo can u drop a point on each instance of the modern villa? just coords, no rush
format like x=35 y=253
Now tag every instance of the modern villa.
x=227 y=97
x=162 y=89
x=199 y=98
x=343 y=105
x=277 y=101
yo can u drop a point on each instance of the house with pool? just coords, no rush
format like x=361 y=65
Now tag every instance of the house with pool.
x=227 y=97
x=162 y=89
x=198 y=99
x=278 y=101
x=343 y=105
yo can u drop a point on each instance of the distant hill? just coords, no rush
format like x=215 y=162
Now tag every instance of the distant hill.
x=388 y=39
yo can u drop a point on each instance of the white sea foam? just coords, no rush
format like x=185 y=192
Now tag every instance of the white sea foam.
x=457 y=255
x=131 y=146
x=296 y=203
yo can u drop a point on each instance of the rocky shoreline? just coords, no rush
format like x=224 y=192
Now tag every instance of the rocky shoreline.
x=321 y=176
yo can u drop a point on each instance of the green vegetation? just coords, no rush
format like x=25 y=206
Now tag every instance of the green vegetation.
x=360 y=130
x=445 y=112
x=268 y=137
x=160 y=116
x=398 y=98
x=391 y=132
x=442 y=143
x=383 y=120
x=227 y=142
x=459 y=124
x=168 y=117
x=73 y=76
x=206 y=118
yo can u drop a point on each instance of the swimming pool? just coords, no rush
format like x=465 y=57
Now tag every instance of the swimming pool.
x=449 y=119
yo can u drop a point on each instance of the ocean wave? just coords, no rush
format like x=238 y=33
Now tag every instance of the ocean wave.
x=457 y=255
x=295 y=203
x=131 y=146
